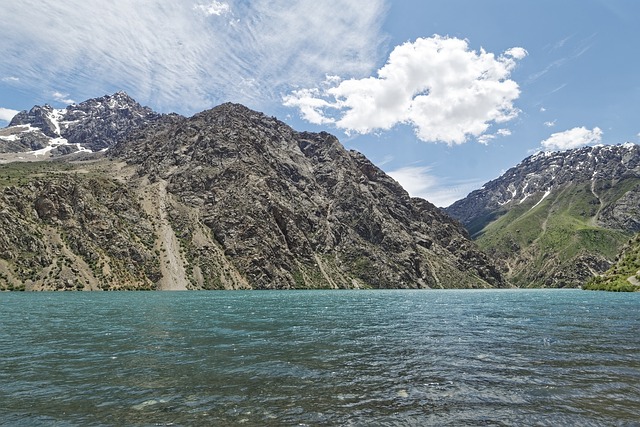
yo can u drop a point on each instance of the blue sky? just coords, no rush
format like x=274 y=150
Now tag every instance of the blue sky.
x=443 y=95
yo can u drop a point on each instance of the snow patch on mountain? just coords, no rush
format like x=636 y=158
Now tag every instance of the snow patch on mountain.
x=93 y=125
x=544 y=196
x=544 y=172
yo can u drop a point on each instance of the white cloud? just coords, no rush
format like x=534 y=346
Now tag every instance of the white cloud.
x=175 y=55
x=516 y=52
x=485 y=138
x=446 y=91
x=550 y=124
x=7 y=114
x=11 y=79
x=419 y=182
x=63 y=97
x=572 y=138
x=215 y=8
x=557 y=89
x=415 y=179
x=542 y=109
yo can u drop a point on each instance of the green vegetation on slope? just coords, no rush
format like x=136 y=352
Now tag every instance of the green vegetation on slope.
x=541 y=242
x=624 y=276
x=19 y=173
x=67 y=226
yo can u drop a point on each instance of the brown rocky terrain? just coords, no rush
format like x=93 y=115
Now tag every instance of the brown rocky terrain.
x=226 y=199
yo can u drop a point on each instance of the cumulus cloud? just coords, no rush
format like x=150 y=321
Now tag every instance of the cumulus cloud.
x=6 y=114
x=572 y=138
x=419 y=182
x=437 y=85
x=550 y=123
x=187 y=55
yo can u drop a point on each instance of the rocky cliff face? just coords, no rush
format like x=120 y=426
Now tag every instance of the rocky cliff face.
x=228 y=198
x=557 y=218
x=93 y=125
x=294 y=209
x=64 y=229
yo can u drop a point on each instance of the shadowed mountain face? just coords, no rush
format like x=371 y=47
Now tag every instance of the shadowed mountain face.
x=231 y=198
x=558 y=218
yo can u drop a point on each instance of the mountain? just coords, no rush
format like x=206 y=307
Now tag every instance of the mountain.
x=226 y=199
x=93 y=125
x=557 y=218
x=624 y=275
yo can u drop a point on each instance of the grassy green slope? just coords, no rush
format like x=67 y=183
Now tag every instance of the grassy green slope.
x=541 y=242
x=624 y=275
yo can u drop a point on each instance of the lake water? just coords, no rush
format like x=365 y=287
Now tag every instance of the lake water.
x=509 y=357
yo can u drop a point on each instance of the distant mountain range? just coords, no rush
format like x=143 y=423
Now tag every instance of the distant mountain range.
x=557 y=219
x=124 y=198
x=108 y=194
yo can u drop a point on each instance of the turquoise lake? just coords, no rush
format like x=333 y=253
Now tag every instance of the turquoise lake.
x=335 y=358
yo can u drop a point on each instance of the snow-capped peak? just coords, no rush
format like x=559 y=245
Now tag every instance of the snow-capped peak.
x=95 y=124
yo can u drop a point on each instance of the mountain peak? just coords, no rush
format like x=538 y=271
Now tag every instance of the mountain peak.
x=298 y=209
x=93 y=125
x=547 y=171
x=118 y=101
x=557 y=217
x=230 y=109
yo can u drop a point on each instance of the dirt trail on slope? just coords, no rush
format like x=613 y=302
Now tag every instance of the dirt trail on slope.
x=174 y=277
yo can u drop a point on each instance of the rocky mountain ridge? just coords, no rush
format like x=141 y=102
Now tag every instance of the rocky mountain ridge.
x=559 y=218
x=226 y=199
x=545 y=172
x=90 y=126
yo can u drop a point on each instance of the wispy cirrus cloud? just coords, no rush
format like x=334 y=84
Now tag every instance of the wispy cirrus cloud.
x=438 y=85
x=419 y=181
x=187 y=55
x=582 y=47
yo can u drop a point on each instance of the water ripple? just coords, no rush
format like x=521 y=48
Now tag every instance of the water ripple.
x=320 y=358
